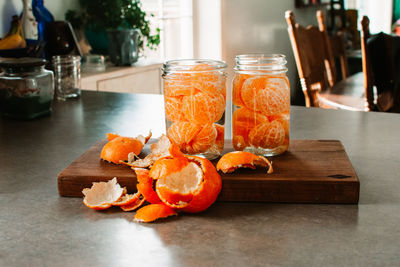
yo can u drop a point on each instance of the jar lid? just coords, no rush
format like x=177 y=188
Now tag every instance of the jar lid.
x=22 y=62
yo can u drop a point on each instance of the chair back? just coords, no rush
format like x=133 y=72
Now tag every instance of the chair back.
x=308 y=44
x=366 y=64
x=336 y=50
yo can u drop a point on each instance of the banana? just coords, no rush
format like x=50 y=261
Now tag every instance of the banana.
x=14 y=38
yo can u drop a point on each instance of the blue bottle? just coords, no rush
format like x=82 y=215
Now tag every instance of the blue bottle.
x=42 y=16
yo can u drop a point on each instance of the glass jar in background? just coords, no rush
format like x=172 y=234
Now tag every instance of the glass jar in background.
x=67 y=76
x=194 y=97
x=261 y=104
x=26 y=88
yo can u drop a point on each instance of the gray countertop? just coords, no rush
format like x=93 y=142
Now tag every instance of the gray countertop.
x=39 y=228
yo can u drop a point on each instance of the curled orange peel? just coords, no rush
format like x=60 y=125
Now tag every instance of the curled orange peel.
x=154 y=212
x=242 y=159
x=102 y=195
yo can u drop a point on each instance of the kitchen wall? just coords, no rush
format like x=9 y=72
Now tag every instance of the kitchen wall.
x=8 y=8
x=259 y=26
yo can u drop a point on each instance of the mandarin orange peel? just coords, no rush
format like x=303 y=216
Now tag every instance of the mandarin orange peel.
x=119 y=147
x=102 y=195
x=242 y=159
x=153 y=212
x=188 y=183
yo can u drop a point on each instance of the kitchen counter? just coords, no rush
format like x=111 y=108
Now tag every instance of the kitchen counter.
x=39 y=228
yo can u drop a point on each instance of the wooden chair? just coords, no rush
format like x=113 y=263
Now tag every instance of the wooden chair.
x=381 y=68
x=315 y=62
x=311 y=59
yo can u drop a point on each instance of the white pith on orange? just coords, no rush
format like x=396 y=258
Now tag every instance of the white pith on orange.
x=102 y=195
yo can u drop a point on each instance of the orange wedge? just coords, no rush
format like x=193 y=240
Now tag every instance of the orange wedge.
x=153 y=212
x=241 y=159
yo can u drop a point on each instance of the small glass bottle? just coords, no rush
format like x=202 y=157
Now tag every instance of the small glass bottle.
x=26 y=88
x=67 y=76
x=195 y=97
x=261 y=104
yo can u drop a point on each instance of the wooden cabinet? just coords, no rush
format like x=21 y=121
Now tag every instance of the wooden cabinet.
x=143 y=77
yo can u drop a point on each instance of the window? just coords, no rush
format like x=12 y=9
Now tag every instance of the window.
x=175 y=20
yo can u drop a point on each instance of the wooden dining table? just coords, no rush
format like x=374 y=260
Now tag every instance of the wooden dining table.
x=40 y=228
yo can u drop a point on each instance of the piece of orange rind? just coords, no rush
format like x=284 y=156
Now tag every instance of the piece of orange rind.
x=153 y=212
x=242 y=159
x=102 y=195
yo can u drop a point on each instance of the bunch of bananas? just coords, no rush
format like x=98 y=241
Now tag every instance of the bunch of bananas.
x=14 y=38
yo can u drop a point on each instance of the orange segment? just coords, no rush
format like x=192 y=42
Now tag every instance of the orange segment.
x=153 y=212
x=119 y=147
x=173 y=109
x=204 y=139
x=102 y=194
x=178 y=84
x=268 y=95
x=145 y=186
x=219 y=141
x=240 y=159
x=237 y=88
x=267 y=135
x=243 y=120
x=182 y=134
x=203 y=107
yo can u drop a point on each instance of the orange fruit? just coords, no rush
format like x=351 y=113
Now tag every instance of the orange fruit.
x=237 y=88
x=102 y=195
x=145 y=185
x=268 y=95
x=186 y=183
x=219 y=141
x=153 y=212
x=204 y=139
x=192 y=138
x=243 y=120
x=178 y=84
x=111 y=136
x=240 y=159
x=119 y=147
x=182 y=134
x=203 y=108
x=267 y=135
x=173 y=108
x=284 y=119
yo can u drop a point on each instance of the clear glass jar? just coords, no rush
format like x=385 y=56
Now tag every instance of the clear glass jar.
x=195 y=97
x=67 y=76
x=261 y=104
x=26 y=88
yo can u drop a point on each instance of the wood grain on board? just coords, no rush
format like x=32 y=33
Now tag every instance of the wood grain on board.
x=311 y=171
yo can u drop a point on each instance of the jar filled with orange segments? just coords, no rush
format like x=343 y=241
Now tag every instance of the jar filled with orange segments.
x=194 y=98
x=261 y=104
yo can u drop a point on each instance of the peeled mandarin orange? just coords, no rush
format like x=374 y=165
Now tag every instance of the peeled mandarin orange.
x=240 y=159
x=219 y=141
x=204 y=139
x=284 y=119
x=182 y=134
x=173 y=108
x=268 y=95
x=267 y=135
x=187 y=183
x=243 y=120
x=178 y=84
x=119 y=147
x=102 y=195
x=237 y=88
x=203 y=107
x=153 y=212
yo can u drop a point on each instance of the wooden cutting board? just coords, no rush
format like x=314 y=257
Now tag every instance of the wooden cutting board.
x=311 y=171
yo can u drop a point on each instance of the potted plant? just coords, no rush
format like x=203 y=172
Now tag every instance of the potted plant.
x=96 y=17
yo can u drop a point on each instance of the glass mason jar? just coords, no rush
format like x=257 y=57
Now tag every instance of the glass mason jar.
x=67 y=76
x=194 y=97
x=26 y=88
x=261 y=104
